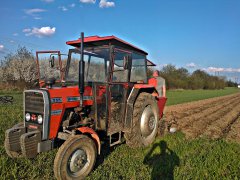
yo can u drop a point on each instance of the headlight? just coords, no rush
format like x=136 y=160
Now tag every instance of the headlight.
x=40 y=119
x=27 y=116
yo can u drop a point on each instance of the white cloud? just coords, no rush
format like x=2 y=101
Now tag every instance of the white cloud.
x=26 y=30
x=2 y=50
x=40 y=32
x=48 y=1
x=37 y=18
x=15 y=34
x=1 y=47
x=33 y=12
x=106 y=4
x=191 y=65
x=88 y=1
x=11 y=41
x=63 y=8
x=220 y=69
x=72 y=5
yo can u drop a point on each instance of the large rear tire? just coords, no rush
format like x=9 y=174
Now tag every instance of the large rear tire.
x=145 y=121
x=76 y=158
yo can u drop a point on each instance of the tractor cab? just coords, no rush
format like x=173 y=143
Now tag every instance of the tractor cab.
x=99 y=91
x=112 y=68
x=118 y=61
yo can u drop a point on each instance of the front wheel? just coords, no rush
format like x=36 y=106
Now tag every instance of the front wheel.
x=75 y=159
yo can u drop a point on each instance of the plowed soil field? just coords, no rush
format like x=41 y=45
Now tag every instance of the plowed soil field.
x=215 y=118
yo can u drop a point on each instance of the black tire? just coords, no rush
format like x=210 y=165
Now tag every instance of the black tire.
x=139 y=137
x=78 y=150
x=13 y=154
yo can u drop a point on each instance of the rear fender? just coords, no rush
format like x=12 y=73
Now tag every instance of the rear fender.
x=94 y=135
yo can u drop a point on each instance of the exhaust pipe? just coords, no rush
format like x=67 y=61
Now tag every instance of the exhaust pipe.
x=81 y=70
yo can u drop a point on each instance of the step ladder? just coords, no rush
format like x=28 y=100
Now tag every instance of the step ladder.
x=118 y=140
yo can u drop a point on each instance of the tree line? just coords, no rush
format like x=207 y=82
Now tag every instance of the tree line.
x=18 y=70
x=181 y=78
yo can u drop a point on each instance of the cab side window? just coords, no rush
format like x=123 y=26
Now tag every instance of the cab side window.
x=138 y=71
x=119 y=73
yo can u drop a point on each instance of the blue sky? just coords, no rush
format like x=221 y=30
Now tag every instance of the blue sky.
x=203 y=34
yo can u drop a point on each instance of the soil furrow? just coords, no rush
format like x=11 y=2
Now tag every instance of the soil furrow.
x=215 y=130
x=193 y=118
x=201 y=125
x=234 y=132
x=187 y=109
x=215 y=118
x=198 y=104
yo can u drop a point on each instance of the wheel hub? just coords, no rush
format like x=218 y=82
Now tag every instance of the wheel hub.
x=148 y=122
x=77 y=161
x=151 y=123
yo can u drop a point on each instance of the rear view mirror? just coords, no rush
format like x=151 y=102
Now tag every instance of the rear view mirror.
x=51 y=61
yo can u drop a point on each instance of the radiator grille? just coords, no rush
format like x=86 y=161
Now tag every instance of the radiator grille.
x=34 y=102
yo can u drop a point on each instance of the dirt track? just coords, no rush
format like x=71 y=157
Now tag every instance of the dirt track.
x=215 y=118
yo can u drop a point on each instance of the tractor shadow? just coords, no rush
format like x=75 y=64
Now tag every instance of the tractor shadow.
x=163 y=163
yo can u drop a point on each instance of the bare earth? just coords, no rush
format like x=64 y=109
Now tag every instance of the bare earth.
x=215 y=118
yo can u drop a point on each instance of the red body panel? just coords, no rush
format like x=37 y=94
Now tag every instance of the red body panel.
x=69 y=99
x=144 y=86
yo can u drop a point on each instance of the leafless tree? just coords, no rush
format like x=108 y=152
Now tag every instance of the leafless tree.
x=18 y=67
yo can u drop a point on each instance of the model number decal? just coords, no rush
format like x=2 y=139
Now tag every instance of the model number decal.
x=56 y=100
x=56 y=112
x=77 y=98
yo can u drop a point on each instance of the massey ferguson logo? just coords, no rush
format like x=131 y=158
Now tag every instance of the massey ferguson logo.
x=34 y=117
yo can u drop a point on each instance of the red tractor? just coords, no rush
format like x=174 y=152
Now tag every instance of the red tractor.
x=102 y=93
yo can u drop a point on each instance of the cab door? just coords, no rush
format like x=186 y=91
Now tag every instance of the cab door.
x=118 y=89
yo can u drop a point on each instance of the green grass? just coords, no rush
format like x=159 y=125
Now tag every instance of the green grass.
x=181 y=96
x=196 y=159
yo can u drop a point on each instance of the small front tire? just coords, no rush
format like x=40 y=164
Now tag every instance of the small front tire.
x=76 y=158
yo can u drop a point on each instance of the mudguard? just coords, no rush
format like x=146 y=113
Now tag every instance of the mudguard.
x=87 y=130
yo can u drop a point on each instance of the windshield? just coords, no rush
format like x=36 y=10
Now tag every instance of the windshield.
x=96 y=60
x=49 y=65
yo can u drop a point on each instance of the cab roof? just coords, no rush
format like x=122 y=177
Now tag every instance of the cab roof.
x=97 y=40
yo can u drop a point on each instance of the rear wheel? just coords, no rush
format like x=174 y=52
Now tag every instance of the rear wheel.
x=145 y=121
x=75 y=159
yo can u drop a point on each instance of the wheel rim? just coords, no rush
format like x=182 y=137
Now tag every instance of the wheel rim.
x=148 y=123
x=78 y=162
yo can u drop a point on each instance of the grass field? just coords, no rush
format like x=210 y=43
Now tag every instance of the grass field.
x=169 y=157
x=181 y=96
